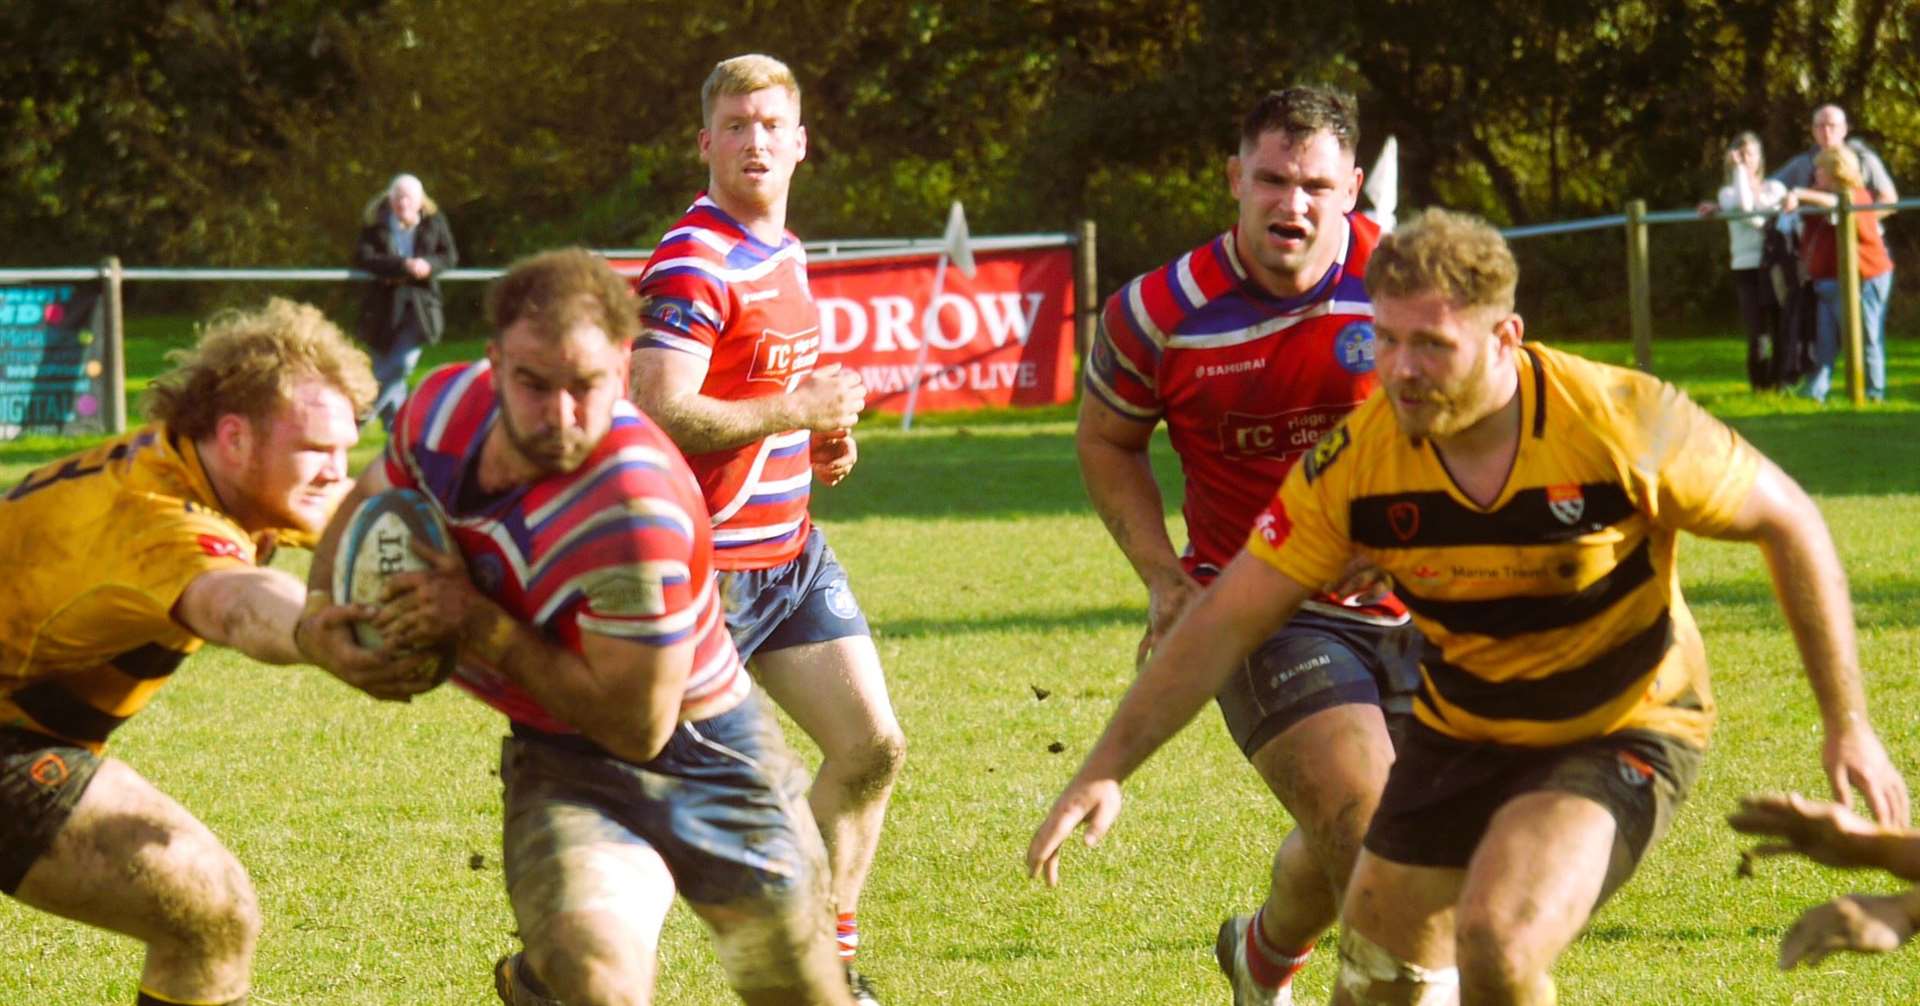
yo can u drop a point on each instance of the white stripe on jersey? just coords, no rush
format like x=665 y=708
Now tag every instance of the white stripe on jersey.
x=751 y=484
x=1113 y=400
x=753 y=534
x=1137 y=307
x=627 y=628
x=783 y=485
x=669 y=340
x=449 y=403
x=642 y=506
x=1183 y=271
x=1240 y=336
x=646 y=457
x=700 y=234
x=729 y=276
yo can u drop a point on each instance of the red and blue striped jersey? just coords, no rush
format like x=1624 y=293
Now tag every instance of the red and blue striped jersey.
x=619 y=546
x=718 y=293
x=1247 y=382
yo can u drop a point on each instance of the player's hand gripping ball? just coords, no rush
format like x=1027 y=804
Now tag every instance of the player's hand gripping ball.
x=377 y=544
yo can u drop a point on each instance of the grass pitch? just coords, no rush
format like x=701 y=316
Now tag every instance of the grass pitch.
x=1007 y=622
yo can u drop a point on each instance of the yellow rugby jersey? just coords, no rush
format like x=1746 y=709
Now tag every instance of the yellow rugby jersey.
x=94 y=550
x=1553 y=615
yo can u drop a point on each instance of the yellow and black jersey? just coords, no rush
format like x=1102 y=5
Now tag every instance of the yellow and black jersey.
x=1554 y=614
x=94 y=550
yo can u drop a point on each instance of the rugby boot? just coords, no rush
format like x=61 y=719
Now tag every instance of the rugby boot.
x=1230 y=950
x=862 y=989
x=510 y=983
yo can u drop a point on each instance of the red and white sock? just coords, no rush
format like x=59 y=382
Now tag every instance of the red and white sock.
x=846 y=936
x=1269 y=965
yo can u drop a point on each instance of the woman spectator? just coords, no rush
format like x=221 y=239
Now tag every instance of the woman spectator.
x=1748 y=190
x=1837 y=170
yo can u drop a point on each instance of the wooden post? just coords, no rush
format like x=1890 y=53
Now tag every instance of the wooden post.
x=114 y=353
x=1639 y=286
x=1086 y=313
x=1848 y=253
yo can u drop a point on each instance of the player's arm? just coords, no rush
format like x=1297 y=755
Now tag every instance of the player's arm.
x=1812 y=589
x=1862 y=923
x=1248 y=601
x=622 y=695
x=1118 y=474
x=247 y=608
x=666 y=386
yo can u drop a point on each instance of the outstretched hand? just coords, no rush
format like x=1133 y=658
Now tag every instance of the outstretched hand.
x=1095 y=803
x=1826 y=833
x=1862 y=923
x=1855 y=758
x=324 y=635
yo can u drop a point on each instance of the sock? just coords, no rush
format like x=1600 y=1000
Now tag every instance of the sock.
x=846 y=935
x=151 y=998
x=1270 y=966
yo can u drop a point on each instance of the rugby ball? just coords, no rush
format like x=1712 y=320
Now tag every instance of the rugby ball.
x=377 y=543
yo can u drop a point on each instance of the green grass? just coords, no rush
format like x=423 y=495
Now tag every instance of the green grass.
x=372 y=834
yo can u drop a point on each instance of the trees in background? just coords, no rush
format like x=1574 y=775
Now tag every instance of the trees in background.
x=247 y=132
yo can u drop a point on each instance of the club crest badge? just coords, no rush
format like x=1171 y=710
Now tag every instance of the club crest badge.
x=1404 y=519
x=1567 y=502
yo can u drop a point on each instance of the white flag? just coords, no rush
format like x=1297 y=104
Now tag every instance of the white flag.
x=1383 y=185
x=954 y=242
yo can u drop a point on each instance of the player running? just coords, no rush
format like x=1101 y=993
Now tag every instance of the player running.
x=726 y=366
x=1528 y=505
x=640 y=761
x=1251 y=347
x=119 y=562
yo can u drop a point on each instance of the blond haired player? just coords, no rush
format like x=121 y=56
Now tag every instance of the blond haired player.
x=118 y=562
x=1527 y=504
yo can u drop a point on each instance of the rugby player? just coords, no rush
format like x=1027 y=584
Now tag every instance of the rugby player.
x=119 y=562
x=1527 y=504
x=1250 y=347
x=640 y=760
x=727 y=366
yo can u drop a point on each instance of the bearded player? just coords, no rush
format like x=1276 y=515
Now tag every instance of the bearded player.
x=120 y=561
x=1528 y=504
x=1250 y=348
x=726 y=366
x=640 y=763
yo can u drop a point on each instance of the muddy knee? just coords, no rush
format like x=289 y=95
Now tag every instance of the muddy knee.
x=583 y=964
x=206 y=904
x=868 y=771
x=1371 y=975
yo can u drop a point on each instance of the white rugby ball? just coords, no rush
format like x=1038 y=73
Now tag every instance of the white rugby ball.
x=376 y=544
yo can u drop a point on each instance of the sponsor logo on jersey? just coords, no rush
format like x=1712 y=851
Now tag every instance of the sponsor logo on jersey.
x=1276 y=434
x=1567 y=503
x=220 y=548
x=1272 y=525
x=1327 y=449
x=1425 y=572
x=668 y=311
x=1404 y=519
x=779 y=356
x=1206 y=370
x=1353 y=348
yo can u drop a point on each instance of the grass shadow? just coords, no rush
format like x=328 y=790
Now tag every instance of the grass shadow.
x=1088 y=618
x=1842 y=452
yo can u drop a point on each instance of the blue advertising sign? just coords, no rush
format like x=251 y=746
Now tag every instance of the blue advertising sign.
x=52 y=369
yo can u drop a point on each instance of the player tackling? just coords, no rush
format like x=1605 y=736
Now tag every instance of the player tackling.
x=121 y=561
x=726 y=365
x=1251 y=347
x=641 y=761
x=1527 y=503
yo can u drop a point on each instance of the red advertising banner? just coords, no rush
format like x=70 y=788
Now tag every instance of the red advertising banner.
x=1004 y=337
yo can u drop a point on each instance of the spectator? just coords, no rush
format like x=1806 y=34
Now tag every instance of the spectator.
x=406 y=244
x=1746 y=191
x=1830 y=130
x=1836 y=170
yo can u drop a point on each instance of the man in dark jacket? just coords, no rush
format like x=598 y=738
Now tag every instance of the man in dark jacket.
x=405 y=244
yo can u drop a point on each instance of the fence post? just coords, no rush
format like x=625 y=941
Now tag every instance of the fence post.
x=1639 y=287
x=1085 y=278
x=1848 y=253
x=116 y=352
